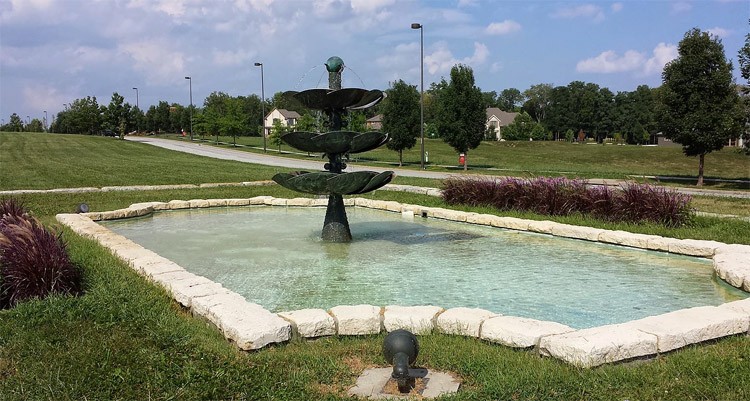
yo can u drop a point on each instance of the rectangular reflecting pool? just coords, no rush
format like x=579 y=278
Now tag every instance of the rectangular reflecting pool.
x=273 y=256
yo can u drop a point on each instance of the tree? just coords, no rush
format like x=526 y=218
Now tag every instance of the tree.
x=744 y=59
x=701 y=107
x=462 y=115
x=524 y=128
x=84 y=116
x=15 y=124
x=117 y=115
x=401 y=117
x=538 y=98
x=357 y=121
x=509 y=100
x=35 y=125
x=307 y=123
x=277 y=130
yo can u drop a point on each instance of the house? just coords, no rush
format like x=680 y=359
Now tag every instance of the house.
x=497 y=120
x=374 y=123
x=288 y=118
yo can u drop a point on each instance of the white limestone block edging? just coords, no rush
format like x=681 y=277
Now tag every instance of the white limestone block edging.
x=248 y=325
x=519 y=332
x=599 y=345
x=355 y=320
x=576 y=232
x=310 y=323
x=691 y=326
x=625 y=238
x=416 y=319
x=542 y=226
x=742 y=306
x=463 y=321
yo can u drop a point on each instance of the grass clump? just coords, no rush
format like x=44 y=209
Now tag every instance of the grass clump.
x=34 y=262
x=634 y=203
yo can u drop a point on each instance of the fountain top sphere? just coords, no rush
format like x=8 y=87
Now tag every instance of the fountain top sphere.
x=334 y=64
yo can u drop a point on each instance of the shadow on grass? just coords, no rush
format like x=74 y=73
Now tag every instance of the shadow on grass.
x=708 y=182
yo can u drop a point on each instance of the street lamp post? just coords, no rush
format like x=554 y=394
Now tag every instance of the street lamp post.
x=190 y=80
x=137 y=120
x=45 y=120
x=421 y=90
x=262 y=105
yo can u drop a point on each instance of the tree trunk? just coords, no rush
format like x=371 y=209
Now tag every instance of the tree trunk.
x=466 y=159
x=400 y=158
x=700 y=169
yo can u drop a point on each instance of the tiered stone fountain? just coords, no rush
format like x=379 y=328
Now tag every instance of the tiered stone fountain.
x=335 y=144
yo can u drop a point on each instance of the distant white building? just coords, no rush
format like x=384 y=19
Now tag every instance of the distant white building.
x=498 y=119
x=288 y=118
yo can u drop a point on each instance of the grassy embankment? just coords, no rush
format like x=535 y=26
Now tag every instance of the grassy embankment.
x=125 y=339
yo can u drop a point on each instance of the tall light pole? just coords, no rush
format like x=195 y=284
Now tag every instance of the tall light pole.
x=45 y=120
x=190 y=80
x=262 y=105
x=137 y=120
x=421 y=90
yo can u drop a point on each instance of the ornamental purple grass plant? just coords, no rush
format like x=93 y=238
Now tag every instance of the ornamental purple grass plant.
x=34 y=262
x=562 y=197
x=11 y=207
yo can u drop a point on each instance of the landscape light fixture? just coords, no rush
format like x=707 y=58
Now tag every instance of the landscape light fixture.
x=262 y=105
x=421 y=91
x=190 y=80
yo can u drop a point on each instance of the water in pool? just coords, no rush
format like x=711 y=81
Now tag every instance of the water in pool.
x=273 y=256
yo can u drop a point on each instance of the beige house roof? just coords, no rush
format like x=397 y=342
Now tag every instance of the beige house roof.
x=289 y=114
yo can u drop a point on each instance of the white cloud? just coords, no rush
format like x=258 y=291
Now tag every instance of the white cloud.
x=39 y=97
x=157 y=60
x=502 y=28
x=584 y=10
x=230 y=58
x=369 y=6
x=467 y=3
x=662 y=54
x=681 y=7
x=174 y=8
x=616 y=7
x=720 y=32
x=496 y=66
x=442 y=59
x=610 y=62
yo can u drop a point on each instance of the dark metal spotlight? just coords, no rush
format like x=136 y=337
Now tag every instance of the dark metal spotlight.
x=82 y=208
x=401 y=349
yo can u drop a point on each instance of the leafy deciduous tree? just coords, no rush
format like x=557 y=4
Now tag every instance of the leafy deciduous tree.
x=701 y=107
x=401 y=117
x=462 y=115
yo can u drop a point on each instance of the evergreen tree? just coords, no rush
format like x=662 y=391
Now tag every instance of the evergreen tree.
x=401 y=117
x=701 y=107
x=462 y=115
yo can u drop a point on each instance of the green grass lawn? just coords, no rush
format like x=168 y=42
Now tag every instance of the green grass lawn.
x=125 y=339
x=543 y=158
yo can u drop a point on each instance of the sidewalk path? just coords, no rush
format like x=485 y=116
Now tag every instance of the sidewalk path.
x=202 y=149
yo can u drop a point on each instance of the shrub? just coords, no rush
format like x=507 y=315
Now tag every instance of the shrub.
x=34 y=262
x=11 y=207
x=561 y=196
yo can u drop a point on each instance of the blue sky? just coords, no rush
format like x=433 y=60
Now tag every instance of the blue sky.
x=55 y=51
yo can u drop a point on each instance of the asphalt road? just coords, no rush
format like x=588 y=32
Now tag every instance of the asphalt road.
x=202 y=149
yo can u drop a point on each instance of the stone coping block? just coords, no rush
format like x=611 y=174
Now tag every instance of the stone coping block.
x=742 y=306
x=184 y=291
x=519 y=332
x=447 y=214
x=416 y=319
x=178 y=204
x=248 y=325
x=150 y=266
x=355 y=320
x=599 y=345
x=310 y=322
x=542 y=226
x=576 y=232
x=463 y=321
x=694 y=247
x=625 y=238
x=691 y=326
x=199 y=203
x=511 y=223
x=734 y=268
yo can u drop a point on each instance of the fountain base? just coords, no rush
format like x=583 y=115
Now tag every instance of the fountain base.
x=336 y=225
